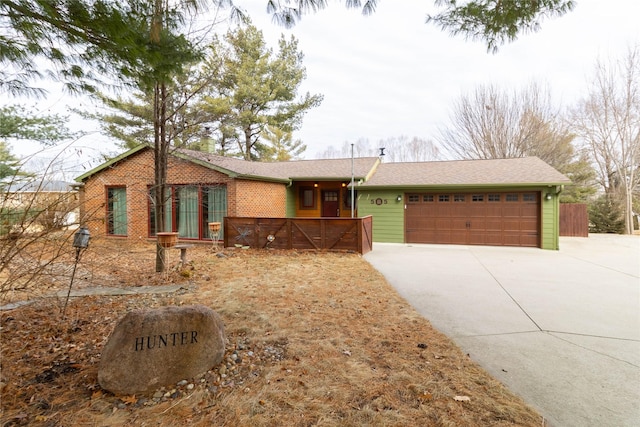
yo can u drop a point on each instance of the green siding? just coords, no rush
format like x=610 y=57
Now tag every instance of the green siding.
x=388 y=215
x=550 y=218
x=291 y=202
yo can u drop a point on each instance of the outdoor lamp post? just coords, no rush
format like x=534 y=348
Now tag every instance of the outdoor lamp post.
x=80 y=242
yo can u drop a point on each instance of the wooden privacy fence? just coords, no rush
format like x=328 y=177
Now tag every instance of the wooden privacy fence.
x=331 y=234
x=574 y=220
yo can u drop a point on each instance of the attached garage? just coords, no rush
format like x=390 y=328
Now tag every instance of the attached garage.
x=478 y=218
x=499 y=202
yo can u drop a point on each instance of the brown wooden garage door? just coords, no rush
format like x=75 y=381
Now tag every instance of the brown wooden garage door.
x=501 y=219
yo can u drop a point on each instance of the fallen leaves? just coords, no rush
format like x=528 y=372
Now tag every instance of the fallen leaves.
x=300 y=347
x=129 y=400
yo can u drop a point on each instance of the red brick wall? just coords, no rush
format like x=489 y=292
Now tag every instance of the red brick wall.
x=244 y=198
x=258 y=198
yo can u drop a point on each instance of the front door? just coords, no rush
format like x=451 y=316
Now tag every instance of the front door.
x=330 y=203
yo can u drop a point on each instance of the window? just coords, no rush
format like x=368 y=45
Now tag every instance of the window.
x=214 y=208
x=330 y=196
x=458 y=197
x=117 y=211
x=414 y=198
x=529 y=197
x=168 y=211
x=307 y=198
x=443 y=198
x=494 y=197
x=347 y=198
x=428 y=198
x=511 y=198
x=189 y=209
x=477 y=198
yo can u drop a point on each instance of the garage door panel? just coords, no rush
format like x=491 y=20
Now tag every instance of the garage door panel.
x=494 y=239
x=510 y=219
x=458 y=237
x=493 y=211
x=477 y=224
x=476 y=238
x=493 y=225
x=530 y=226
x=511 y=211
x=529 y=211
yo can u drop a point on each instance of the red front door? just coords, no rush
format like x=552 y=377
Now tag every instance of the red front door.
x=330 y=203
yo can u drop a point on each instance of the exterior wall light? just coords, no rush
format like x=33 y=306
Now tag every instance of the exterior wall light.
x=547 y=196
x=398 y=198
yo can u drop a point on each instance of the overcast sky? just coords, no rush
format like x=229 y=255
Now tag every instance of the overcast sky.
x=389 y=74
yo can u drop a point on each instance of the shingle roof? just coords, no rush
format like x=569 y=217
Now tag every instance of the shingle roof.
x=526 y=171
x=337 y=169
x=521 y=171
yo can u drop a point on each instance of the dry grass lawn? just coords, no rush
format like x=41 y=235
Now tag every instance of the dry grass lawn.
x=313 y=339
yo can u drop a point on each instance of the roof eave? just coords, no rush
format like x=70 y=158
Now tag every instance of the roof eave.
x=460 y=186
x=111 y=162
x=262 y=178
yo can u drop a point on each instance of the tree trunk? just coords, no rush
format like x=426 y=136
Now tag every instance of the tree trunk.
x=628 y=210
x=160 y=170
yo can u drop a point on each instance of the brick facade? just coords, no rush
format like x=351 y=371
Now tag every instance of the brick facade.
x=135 y=173
x=260 y=199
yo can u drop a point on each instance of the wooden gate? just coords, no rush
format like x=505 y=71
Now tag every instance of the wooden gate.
x=331 y=234
x=574 y=220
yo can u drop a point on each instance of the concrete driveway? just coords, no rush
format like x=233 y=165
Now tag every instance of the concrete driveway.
x=559 y=328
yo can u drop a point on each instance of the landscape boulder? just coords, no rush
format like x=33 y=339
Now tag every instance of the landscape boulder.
x=149 y=349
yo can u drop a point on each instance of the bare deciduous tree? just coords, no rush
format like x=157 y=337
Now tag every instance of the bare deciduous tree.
x=608 y=122
x=494 y=124
x=398 y=149
x=403 y=149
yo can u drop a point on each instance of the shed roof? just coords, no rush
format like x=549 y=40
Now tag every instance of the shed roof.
x=519 y=171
